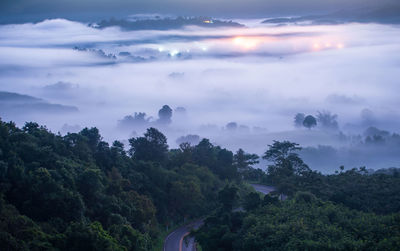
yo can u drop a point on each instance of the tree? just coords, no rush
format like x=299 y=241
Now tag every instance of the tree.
x=252 y=201
x=138 y=120
x=93 y=137
x=203 y=153
x=224 y=167
x=231 y=126
x=286 y=162
x=227 y=197
x=190 y=138
x=244 y=161
x=152 y=147
x=89 y=183
x=327 y=120
x=80 y=236
x=165 y=115
x=299 y=119
x=309 y=121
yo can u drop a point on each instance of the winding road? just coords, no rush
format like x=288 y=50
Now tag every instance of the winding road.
x=176 y=240
x=263 y=189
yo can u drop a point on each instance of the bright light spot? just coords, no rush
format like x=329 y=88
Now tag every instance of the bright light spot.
x=316 y=46
x=328 y=45
x=174 y=53
x=246 y=43
x=340 y=46
x=160 y=49
x=208 y=21
x=204 y=48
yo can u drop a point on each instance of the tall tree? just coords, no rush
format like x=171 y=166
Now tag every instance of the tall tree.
x=309 y=121
x=165 y=115
x=286 y=162
x=243 y=161
x=299 y=119
x=327 y=120
x=152 y=147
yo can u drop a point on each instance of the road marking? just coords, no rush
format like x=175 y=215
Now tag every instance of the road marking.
x=181 y=241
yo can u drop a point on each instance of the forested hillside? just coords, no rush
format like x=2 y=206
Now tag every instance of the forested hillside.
x=350 y=210
x=76 y=192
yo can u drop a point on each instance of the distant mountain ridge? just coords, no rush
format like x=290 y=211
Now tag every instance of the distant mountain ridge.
x=11 y=103
x=164 y=23
x=15 y=97
x=386 y=15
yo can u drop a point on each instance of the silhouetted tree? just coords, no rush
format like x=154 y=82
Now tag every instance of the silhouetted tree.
x=327 y=120
x=309 y=121
x=190 y=138
x=286 y=161
x=139 y=119
x=228 y=196
x=152 y=147
x=243 y=161
x=299 y=119
x=165 y=115
x=252 y=201
x=231 y=126
x=93 y=137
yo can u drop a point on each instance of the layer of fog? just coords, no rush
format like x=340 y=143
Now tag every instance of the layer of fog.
x=257 y=77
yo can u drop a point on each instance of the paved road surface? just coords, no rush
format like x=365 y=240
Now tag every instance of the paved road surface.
x=175 y=240
x=266 y=190
x=263 y=189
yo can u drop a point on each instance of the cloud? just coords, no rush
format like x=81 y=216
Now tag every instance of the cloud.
x=344 y=99
x=258 y=77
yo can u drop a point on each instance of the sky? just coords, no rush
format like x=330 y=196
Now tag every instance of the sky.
x=20 y=10
x=258 y=76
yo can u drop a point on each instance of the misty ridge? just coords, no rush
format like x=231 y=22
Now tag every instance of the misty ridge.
x=14 y=104
x=386 y=14
x=158 y=23
x=373 y=148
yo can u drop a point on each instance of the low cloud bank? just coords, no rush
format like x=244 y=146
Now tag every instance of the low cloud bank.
x=240 y=87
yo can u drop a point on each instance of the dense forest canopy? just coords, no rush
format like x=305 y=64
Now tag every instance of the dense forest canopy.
x=58 y=191
x=78 y=192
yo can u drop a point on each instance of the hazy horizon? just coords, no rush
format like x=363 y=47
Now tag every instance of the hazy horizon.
x=259 y=77
x=92 y=10
x=235 y=80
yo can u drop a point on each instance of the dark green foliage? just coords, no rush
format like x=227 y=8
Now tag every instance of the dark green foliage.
x=355 y=188
x=306 y=223
x=243 y=162
x=217 y=159
x=351 y=210
x=302 y=223
x=76 y=192
x=227 y=197
x=152 y=147
x=220 y=229
x=286 y=163
x=379 y=193
x=81 y=236
x=252 y=201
